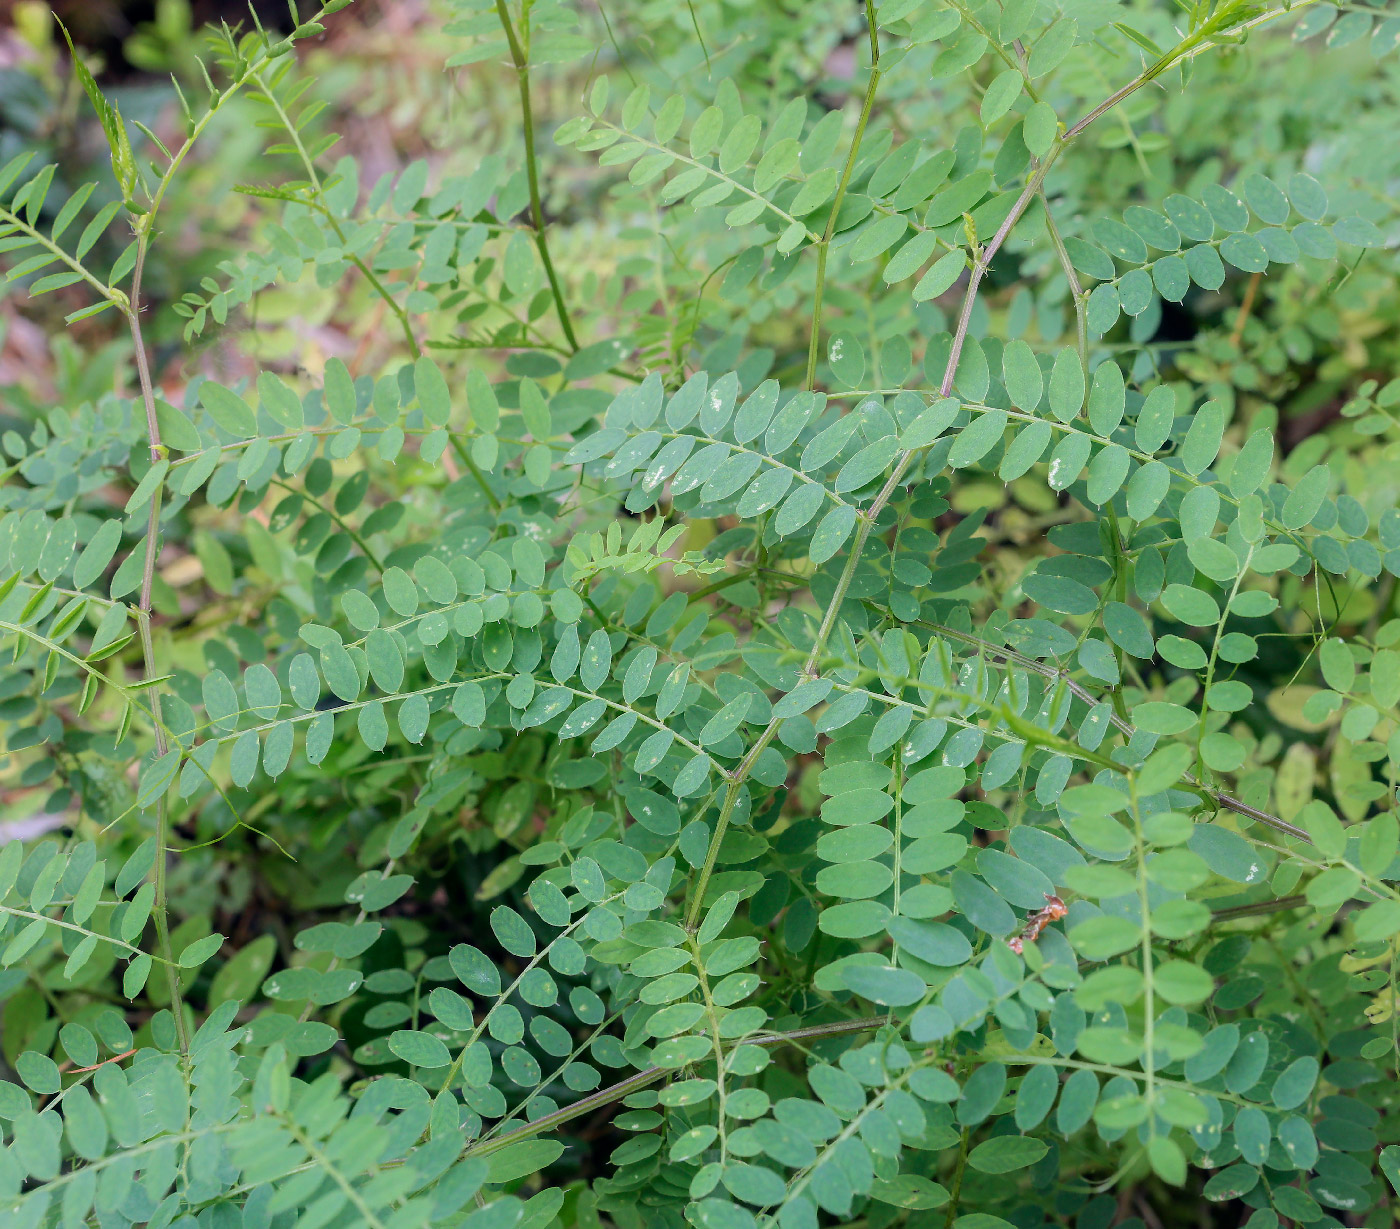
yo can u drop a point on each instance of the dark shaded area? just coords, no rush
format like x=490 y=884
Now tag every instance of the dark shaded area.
x=103 y=26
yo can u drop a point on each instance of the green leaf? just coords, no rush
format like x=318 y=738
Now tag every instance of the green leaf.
x=1102 y=308
x=523 y=1159
x=157 y=777
x=228 y=409
x=1295 y=1083
x=1024 y=383
x=831 y=533
x=280 y=401
x=1000 y=96
x=1390 y=1165
x=97 y=554
x=1306 y=498
x=981 y=1093
x=884 y=985
x=1179 y=981
x=340 y=673
x=1202 y=442
x=930 y=424
x=419 y=1049
x=176 y=430
x=1036 y=1095
x=1191 y=606
x=431 y=389
x=977 y=439
x=847 y=359
x=941 y=275
x=196 y=953
x=1006 y=1153
x=1039 y=128
x=1167 y=1160
x=339 y=391
x=1106 y=473
x=1338 y=665
x=867 y=465
x=1155 y=418
x=1067 y=386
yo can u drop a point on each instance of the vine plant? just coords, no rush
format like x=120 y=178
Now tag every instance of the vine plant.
x=678 y=808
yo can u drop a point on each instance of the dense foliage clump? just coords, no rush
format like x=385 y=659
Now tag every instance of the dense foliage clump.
x=794 y=625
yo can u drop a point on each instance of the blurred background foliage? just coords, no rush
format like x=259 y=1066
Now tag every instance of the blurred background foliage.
x=1314 y=360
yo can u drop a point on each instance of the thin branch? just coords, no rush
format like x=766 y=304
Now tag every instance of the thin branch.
x=650 y=1075
x=1246 y=306
x=1229 y=913
x=314 y=178
x=143 y=621
x=1076 y=288
x=522 y=73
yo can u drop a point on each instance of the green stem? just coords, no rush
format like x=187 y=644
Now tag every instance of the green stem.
x=324 y=1163
x=1149 y=994
x=75 y=928
x=1213 y=660
x=1076 y=288
x=354 y=534
x=143 y=621
x=378 y=286
x=113 y=295
x=998 y=49
x=864 y=524
x=1120 y=592
x=522 y=72
x=712 y=1017
x=956 y=1193
x=250 y=69
x=304 y=155
x=1186 y=50
x=867 y=519
x=481 y=1027
x=1074 y=1064
x=522 y=1109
